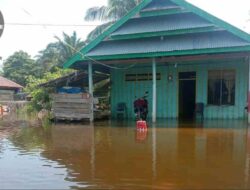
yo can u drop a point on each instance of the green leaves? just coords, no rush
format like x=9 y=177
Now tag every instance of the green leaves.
x=112 y=12
x=56 y=53
x=19 y=66
x=68 y=46
x=109 y=14
x=28 y=72
x=40 y=96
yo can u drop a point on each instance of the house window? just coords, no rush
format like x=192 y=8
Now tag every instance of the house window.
x=141 y=77
x=221 y=87
x=130 y=77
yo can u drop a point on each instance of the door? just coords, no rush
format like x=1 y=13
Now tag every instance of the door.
x=187 y=89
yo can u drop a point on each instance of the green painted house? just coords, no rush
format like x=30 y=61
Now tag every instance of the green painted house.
x=182 y=55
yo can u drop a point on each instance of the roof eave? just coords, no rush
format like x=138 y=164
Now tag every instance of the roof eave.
x=172 y=53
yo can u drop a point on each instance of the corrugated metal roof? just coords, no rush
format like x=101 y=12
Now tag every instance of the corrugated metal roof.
x=160 y=4
x=209 y=40
x=161 y=23
x=6 y=83
x=153 y=25
x=79 y=78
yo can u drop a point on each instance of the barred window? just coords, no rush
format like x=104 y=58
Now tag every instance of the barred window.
x=221 y=87
x=141 y=77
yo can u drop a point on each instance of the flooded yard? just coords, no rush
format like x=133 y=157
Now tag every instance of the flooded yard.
x=113 y=155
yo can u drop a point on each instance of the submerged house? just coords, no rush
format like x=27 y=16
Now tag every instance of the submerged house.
x=180 y=54
x=8 y=88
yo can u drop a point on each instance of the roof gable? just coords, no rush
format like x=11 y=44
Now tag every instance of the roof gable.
x=161 y=23
x=186 y=42
x=160 y=4
x=6 y=83
x=163 y=18
x=213 y=19
x=111 y=29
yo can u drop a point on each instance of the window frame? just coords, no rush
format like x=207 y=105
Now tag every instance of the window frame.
x=132 y=77
x=222 y=74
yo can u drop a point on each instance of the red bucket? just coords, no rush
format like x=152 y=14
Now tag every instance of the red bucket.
x=141 y=125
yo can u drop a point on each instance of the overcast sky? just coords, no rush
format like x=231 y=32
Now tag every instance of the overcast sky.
x=34 y=38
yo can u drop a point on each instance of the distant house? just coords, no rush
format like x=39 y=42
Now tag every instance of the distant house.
x=8 y=88
x=182 y=55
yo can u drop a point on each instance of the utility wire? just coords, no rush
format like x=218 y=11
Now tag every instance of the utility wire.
x=51 y=25
x=78 y=51
x=98 y=62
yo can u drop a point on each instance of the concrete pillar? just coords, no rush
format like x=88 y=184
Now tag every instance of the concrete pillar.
x=154 y=100
x=90 y=75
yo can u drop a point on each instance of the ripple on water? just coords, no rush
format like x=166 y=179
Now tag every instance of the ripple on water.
x=25 y=170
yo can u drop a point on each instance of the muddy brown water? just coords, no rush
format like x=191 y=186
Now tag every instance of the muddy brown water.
x=113 y=155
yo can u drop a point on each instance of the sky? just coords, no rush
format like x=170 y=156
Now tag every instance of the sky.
x=32 y=39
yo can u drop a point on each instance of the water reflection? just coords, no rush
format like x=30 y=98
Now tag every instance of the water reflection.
x=171 y=155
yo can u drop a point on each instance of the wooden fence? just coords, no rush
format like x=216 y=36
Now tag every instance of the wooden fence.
x=72 y=106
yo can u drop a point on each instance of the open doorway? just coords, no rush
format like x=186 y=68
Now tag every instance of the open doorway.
x=187 y=89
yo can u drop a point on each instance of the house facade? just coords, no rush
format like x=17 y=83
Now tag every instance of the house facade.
x=180 y=54
x=8 y=88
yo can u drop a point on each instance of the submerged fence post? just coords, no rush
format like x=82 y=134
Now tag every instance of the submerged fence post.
x=154 y=151
x=154 y=91
x=248 y=100
x=90 y=75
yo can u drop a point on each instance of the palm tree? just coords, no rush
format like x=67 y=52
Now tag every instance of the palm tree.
x=69 y=45
x=56 y=53
x=49 y=57
x=109 y=14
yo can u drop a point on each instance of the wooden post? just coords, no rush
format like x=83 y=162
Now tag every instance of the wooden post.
x=92 y=153
x=90 y=75
x=154 y=91
x=248 y=100
x=154 y=151
x=1 y=110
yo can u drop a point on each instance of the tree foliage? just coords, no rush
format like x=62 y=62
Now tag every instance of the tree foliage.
x=57 y=53
x=19 y=66
x=49 y=57
x=114 y=10
x=28 y=72
x=40 y=96
x=97 y=31
x=68 y=46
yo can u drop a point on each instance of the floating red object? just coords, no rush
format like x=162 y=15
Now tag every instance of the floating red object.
x=141 y=125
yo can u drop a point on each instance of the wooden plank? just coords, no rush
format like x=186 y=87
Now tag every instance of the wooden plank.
x=6 y=97
x=66 y=100
x=70 y=105
x=71 y=96
x=68 y=110
x=72 y=116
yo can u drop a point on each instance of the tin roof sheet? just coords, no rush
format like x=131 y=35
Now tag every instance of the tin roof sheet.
x=162 y=23
x=219 y=39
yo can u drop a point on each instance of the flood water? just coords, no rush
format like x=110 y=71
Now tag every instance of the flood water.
x=113 y=155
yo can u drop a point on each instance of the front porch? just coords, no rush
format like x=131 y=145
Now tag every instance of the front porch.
x=170 y=94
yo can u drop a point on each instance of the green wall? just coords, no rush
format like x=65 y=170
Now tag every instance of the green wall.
x=167 y=92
